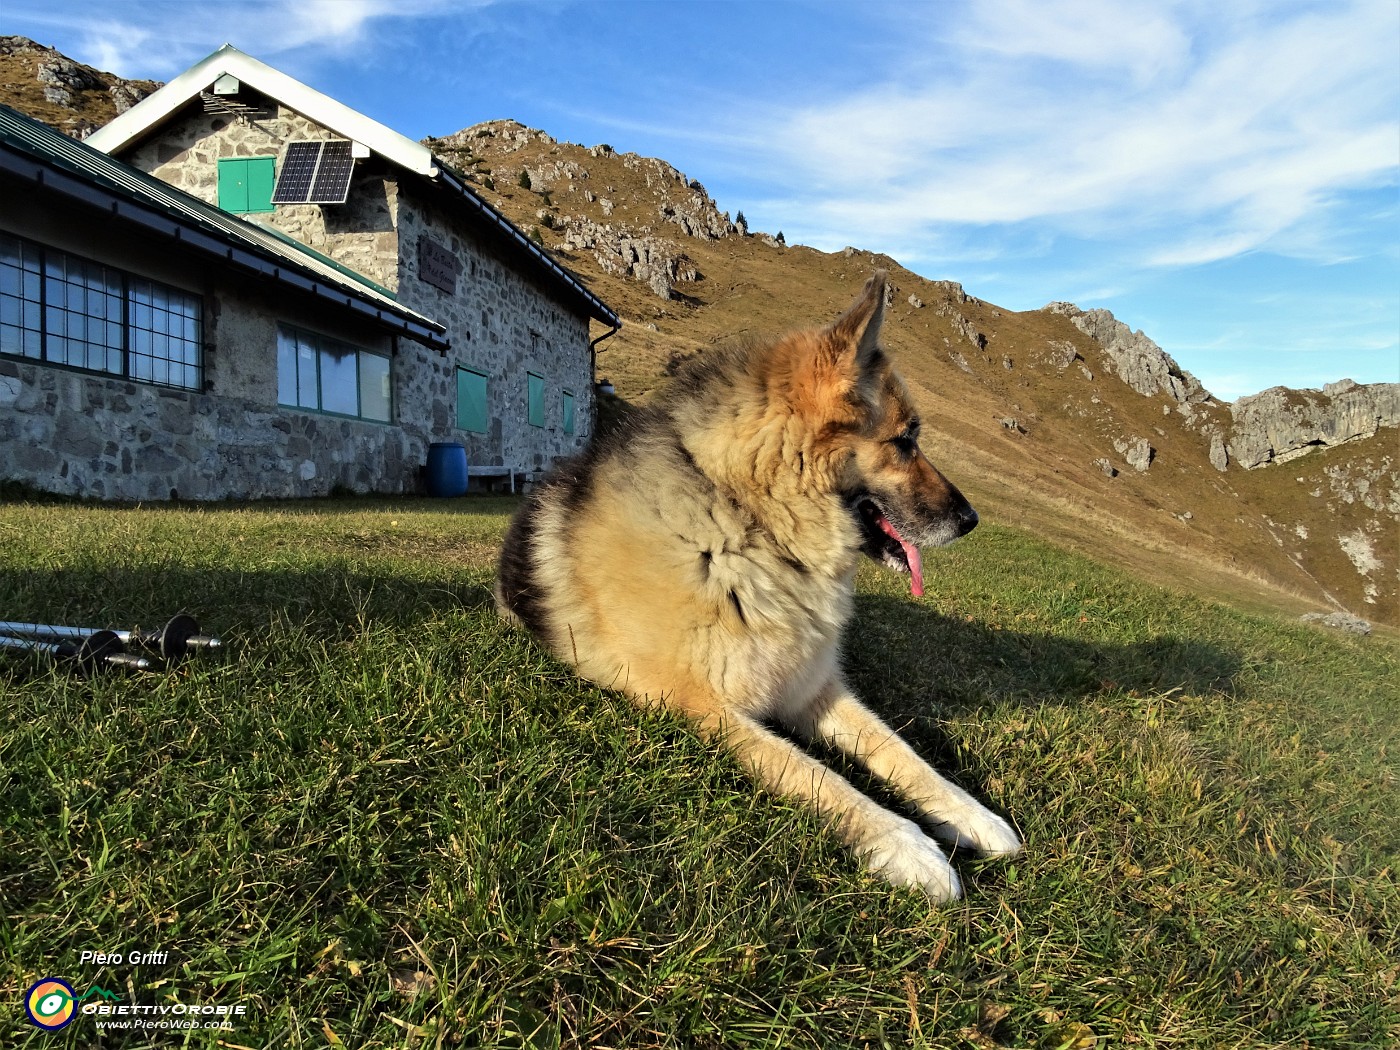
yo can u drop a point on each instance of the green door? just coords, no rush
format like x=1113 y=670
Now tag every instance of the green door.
x=245 y=184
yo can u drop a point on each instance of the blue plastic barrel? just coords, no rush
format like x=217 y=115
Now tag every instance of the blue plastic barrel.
x=447 y=468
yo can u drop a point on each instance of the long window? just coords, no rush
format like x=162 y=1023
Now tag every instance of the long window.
x=317 y=372
x=66 y=310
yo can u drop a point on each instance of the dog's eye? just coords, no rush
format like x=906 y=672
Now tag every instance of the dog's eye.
x=907 y=444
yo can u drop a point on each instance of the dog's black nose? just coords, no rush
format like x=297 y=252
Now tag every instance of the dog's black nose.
x=967 y=519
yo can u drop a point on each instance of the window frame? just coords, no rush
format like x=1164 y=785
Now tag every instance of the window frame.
x=296 y=338
x=69 y=307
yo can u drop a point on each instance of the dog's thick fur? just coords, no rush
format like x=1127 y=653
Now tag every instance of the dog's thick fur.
x=704 y=557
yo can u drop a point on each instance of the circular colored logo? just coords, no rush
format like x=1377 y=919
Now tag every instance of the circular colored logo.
x=51 y=1004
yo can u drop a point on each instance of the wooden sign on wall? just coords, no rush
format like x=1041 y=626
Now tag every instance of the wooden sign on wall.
x=436 y=265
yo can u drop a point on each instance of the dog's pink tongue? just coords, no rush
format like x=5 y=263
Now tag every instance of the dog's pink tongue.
x=916 y=564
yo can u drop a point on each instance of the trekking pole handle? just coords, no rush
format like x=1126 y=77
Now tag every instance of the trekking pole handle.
x=173 y=640
x=88 y=651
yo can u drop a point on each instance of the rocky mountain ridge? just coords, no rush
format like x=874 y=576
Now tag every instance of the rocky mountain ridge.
x=638 y=247
x=72 y=97
x=1137 y=360
x=1274 y=426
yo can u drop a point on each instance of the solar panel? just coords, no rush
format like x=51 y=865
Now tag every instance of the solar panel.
x=298 y=169
x=315 y=173
x=332 y=182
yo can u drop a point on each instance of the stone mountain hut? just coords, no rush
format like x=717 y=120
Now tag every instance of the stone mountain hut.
x=241 y=288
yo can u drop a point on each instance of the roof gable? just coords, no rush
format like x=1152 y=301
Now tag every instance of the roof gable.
x=153 y=111
x=163 y=104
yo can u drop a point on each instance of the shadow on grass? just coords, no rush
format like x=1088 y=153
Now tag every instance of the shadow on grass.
x=916 y=667
x=911 y=655
x=329 y=600
x=905 y=660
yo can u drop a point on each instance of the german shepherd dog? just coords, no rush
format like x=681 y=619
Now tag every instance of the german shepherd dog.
x=703 y=557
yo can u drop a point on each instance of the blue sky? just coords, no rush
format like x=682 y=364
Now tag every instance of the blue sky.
x=1224 y=176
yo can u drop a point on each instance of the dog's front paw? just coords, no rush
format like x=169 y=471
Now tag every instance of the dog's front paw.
x=977 y=827
x=905 y=856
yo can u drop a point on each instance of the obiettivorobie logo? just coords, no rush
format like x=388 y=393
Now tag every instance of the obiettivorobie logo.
x=52 y=1004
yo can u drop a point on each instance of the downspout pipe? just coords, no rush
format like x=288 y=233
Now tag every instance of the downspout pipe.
x=593 y=350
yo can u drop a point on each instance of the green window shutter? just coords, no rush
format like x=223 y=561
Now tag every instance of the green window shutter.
x=245 y=184
x=536 y=404
x=472 y=412
x=568 y=412
x=261 y=171
x=233 y=185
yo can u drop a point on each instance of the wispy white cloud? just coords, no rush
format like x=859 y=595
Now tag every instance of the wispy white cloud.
x=1198 y=135
x=160 y=39
x=1115 y=36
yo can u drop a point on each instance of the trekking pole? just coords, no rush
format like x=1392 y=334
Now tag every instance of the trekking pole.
x=174 y=640
x=93 y=650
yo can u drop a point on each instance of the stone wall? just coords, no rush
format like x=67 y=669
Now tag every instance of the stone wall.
x=104 y=437
x=503 y=326
x=107 y=438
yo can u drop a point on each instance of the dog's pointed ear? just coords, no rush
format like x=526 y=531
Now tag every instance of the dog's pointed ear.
x=855 y=335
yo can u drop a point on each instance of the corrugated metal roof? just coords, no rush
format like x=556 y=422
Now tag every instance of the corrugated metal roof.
x=50 y=149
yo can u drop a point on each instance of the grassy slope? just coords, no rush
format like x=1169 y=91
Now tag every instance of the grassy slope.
x=1044 y=475
x=385 y=819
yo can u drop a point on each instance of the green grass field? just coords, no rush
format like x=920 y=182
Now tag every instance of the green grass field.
x=383 y=819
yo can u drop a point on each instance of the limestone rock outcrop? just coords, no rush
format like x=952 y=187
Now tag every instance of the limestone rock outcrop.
x=642 y=247
x=66 y=86
x=654 y=261
x=1135 y=358
x=1280 y=424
